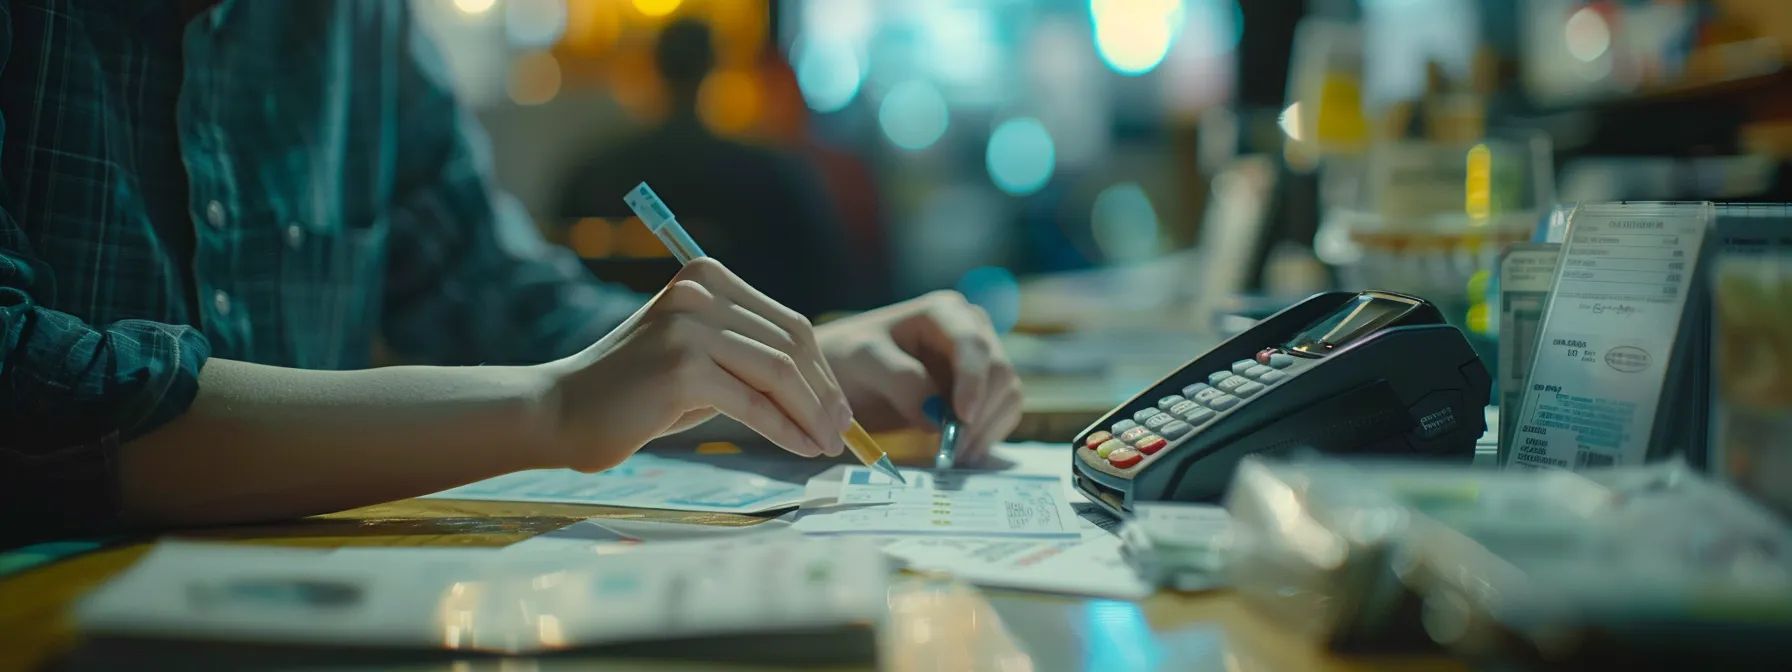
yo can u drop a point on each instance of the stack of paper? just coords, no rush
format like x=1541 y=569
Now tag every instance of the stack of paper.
x=482 y=601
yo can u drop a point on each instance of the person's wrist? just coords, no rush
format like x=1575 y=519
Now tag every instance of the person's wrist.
x=539 y=415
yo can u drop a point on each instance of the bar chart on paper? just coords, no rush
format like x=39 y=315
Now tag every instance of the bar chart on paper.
x=947 y=503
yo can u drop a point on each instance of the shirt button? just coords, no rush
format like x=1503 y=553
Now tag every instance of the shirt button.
x=221 y=302
x=295 y=236
x=214 y=213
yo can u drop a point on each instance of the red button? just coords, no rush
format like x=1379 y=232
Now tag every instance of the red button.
x=1096 y=439
x=1124 y=457
x=1263 y=357
x=1151 y=444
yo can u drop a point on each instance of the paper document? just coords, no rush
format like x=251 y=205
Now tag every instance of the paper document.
x=960 y=503
x=1090 y=564
x=1608 y=337
x=598 y=531
x=645 y=481
x=503 y=602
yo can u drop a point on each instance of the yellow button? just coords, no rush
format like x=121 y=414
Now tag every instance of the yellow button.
x=1109 y=446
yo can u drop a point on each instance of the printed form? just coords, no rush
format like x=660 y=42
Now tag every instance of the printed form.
x=1608 y=336
x=644 y=481
x=963 y=503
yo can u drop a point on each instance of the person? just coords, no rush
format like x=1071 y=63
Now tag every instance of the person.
x=765 y=211
x=849 y=179
x=211 y=209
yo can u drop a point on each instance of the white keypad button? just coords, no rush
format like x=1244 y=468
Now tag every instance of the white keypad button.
x=1217 y=376
x=1243 y=365
x=1281 y=361
x=1248 y=389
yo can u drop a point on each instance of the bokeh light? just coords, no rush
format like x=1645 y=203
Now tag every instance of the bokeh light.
x=592 y=237
x=1021 y=156
x=913 y=115
x=740 y=30
x=1134 y=36
x=592 y=26
x=1124 y=223
x=828 y=72
x=534 y=24
x=534 y=78
x=995 y=290
x=474 y=6
x=1587 y=34
x=657 y=7
x=729 y=101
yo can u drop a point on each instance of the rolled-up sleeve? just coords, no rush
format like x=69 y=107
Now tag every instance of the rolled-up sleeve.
x=470 y=278
x=70 y=394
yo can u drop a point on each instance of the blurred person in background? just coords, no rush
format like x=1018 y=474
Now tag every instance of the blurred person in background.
x=765 y=211
x=212 y=209
x=850 y=180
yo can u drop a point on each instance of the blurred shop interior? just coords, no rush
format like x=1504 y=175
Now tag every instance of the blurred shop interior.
x=1212 y=155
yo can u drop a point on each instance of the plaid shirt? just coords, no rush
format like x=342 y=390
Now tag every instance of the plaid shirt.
x=277 y=181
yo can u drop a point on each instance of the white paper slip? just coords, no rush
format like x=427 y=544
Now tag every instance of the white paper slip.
x=1089 y=565
x=526 y=603
x=1608 y=337
x=644 y=481
x=1181 y=523
x=957 y=503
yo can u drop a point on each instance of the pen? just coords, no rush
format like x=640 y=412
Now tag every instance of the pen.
x=659 y=219
x=936 y=408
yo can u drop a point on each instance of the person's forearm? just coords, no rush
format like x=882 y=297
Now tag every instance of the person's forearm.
x=262 y=443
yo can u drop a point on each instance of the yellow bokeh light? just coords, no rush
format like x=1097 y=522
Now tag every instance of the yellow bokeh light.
x=592 y=26
x=474 y=6
x=1480 y=318
x=534 y=78
x=633 y=239
x=592 y=237
x=740 y=30
x=636 y=84
x=729 y=101
x=657 y=7
x=1479 y=187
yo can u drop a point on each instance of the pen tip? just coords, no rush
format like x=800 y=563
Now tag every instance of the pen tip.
x=888 y=469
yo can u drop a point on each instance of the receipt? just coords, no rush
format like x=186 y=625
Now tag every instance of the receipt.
x=1526 y=271
x=1609 y=335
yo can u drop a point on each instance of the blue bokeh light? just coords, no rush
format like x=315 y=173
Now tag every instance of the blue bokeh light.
x=1124 y=223
x=913 y=115
x=995 y=290
x=827 y=72
x=1021 y=156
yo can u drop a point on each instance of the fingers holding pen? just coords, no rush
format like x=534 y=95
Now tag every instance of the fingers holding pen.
x=756 y=355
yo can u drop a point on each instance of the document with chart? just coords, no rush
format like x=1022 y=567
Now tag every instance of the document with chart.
x=961 y=503
x=644 y=481
x=1608 y=336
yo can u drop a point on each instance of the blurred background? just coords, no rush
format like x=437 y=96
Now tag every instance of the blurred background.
x=1193 y=158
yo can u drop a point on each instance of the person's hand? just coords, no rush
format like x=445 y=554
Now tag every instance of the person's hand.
x=891 y=359
x=707 y=343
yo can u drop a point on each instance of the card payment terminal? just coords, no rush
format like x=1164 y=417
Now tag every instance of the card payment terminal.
x=1370 y=373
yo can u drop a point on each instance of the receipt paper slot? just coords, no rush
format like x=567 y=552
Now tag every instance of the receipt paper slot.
x=1370 y=373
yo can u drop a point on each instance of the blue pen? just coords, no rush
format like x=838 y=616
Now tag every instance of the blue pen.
x=659 y=219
